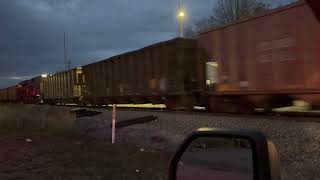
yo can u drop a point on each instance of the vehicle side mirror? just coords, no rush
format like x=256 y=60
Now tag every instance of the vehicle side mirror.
x=225 y=154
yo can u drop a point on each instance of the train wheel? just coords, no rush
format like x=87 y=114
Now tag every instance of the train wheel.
x=230 y=104
x=245 y=106
x=178 y=103
x=214 y=105
x=276 y=101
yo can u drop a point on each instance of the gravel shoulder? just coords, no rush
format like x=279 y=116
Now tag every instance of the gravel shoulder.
x=298 y=143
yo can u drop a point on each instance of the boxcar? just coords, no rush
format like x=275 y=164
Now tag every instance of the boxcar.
x=267 y=60
x=63 y=87
x=13 y=94
x=167 y=72
x=3 y=95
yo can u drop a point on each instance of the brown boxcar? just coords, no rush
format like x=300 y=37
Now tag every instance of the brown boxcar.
x=269 y=59
x=13 y=95
x=3 y=95
x=161 y=73
x=63 y=87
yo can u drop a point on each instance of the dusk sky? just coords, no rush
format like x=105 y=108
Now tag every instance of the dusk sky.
x=31 y=31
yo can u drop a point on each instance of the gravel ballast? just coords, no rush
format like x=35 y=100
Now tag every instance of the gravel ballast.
x=298 y=143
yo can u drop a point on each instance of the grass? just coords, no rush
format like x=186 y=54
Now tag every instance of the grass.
x=57 y=152
x=101 y=161
x=18 y=116
x=66 y=155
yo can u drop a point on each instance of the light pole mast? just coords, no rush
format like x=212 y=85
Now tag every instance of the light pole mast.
x=67 y=63
x=65 y=51
x=181 y=16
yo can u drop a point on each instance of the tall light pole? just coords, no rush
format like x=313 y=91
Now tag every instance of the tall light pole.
x=67 y=62
x=181 y=16
x=65 y=51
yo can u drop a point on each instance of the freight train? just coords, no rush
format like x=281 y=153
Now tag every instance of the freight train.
x=264 y=61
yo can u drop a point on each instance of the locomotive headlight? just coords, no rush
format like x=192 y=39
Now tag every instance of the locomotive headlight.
x=44 y=75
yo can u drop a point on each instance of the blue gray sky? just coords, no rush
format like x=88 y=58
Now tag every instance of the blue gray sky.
x=31 y=31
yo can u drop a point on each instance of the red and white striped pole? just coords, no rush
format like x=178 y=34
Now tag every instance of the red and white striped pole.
x=113 y=123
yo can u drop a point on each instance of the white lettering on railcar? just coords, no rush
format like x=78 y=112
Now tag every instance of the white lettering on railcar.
x=264 y=58
x=244 y=84
x=279 y=50
x=284 y=43
x=264 y=46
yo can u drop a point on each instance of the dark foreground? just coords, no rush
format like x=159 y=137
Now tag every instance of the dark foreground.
x=61 y=155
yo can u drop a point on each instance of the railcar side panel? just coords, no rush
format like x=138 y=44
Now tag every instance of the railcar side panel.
x=63 y=87
x=145 y=75
x=275 y=52
x=3 y=95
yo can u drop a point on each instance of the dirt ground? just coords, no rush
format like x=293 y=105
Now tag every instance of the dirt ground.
x=64 y=155
x=68 y=156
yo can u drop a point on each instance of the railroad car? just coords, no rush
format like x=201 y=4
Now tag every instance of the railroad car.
x=9 y=95
x=63 y=87
x=167 y=72
x=13 y=95
x=3 y=95
x=265 y=61
x=29 y=91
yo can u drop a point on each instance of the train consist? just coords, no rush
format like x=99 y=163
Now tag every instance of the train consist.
x=264 y=61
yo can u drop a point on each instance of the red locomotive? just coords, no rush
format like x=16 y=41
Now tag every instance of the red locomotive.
x=27 y=92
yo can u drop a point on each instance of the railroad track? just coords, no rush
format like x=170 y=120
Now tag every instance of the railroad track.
x=311 y=116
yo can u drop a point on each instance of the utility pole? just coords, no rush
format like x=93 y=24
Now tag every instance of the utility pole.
x=67 y=63
x=65 y=51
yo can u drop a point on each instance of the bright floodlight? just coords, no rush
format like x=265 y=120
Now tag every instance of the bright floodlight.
x=44 y=75
x=181 y=14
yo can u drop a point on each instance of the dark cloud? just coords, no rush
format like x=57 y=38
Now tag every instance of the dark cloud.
x=31 y=31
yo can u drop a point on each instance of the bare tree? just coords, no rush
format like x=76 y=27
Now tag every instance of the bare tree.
x=226 y=11
x=191 y=32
